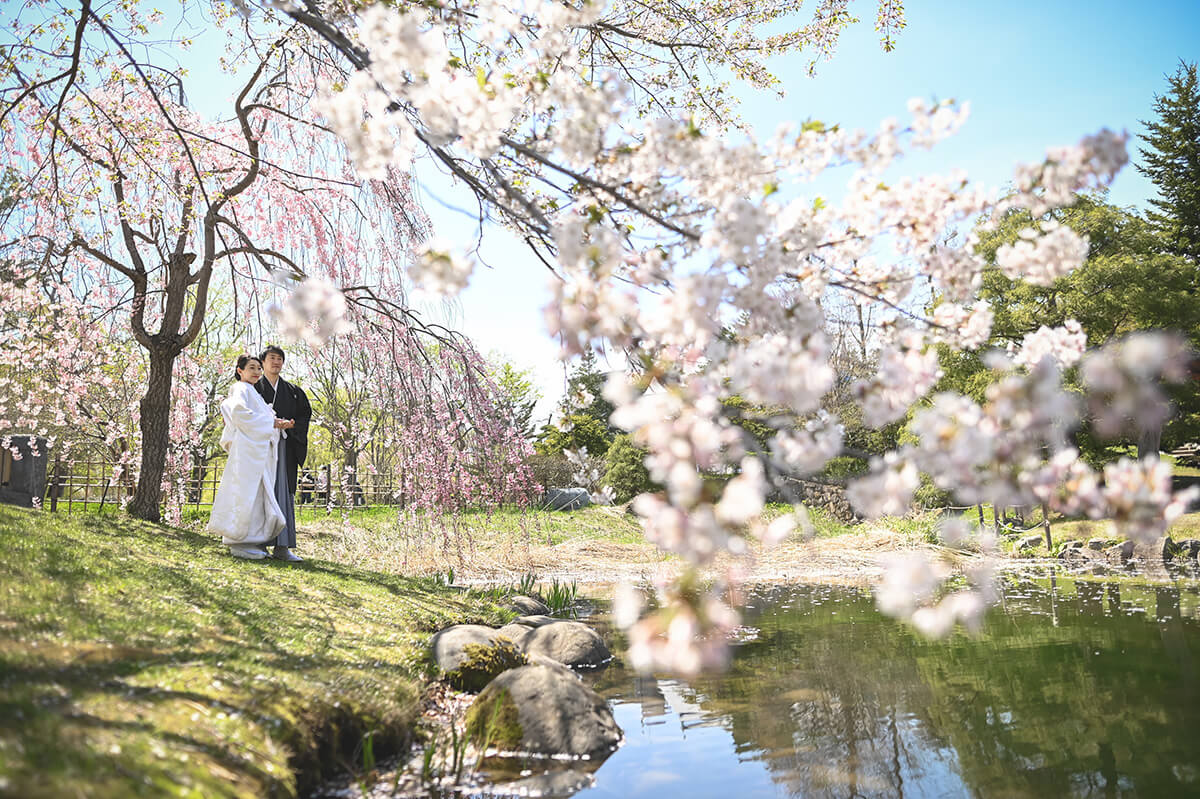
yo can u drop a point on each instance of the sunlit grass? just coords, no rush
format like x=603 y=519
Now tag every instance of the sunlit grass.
x=142 y=660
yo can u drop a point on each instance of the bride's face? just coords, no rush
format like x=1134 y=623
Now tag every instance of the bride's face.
x=251 y=372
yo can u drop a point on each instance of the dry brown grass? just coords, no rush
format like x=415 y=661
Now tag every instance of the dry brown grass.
x=594 y=545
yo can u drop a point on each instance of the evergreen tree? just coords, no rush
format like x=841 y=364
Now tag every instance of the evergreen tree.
x=1129 y=282
x=1172 y=162
x=517 y=395
x=626 y=471
x=584 y=413
x=587 y=381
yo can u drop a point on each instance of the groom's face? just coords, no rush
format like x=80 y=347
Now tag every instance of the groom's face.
x=272 y=366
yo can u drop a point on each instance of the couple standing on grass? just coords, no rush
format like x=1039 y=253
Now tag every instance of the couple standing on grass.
x=266 y=435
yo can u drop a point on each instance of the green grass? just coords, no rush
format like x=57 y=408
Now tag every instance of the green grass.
x=1180 y=469
x=1186 y=526
x=139 y=660
x=547 y=527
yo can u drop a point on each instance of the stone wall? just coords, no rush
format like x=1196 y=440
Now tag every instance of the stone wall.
x=820 y=496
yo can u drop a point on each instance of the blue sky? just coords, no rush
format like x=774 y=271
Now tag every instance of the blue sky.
x=1037 y=74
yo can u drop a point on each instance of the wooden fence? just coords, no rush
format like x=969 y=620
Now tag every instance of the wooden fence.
x=90 y=484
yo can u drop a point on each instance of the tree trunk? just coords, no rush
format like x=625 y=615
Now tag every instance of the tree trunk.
x=1149 y=442
x=153 y=422
x=351 y=486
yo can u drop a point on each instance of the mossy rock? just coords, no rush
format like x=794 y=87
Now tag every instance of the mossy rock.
x=543 y=708
x=482 y=662
x=493 y=721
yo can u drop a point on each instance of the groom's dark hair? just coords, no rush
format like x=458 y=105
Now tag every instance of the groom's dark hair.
x=272 y=348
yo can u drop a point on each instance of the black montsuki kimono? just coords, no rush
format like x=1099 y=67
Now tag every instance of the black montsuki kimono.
x=292 y=403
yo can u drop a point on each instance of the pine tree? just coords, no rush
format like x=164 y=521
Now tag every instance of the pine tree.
x=1172 y=162
x=584 y=413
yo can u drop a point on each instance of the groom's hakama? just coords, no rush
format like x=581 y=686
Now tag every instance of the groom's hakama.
x=283 y=495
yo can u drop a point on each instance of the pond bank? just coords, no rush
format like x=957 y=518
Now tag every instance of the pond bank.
x=139 y=660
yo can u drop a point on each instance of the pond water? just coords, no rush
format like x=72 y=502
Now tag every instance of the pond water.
x=1077 y=687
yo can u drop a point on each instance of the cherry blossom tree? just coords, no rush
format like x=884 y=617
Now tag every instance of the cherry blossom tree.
x=596 y=133
x=432 y=415
x=135 y=204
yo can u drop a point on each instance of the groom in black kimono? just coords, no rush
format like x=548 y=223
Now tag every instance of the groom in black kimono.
x=289 y=402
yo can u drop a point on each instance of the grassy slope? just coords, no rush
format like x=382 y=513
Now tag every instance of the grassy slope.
x=142 y=660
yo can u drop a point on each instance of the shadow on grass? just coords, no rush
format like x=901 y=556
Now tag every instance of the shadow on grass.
x=120 y=640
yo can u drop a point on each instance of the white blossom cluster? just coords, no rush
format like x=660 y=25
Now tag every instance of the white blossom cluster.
x=1064 y=345
x=1092 y=163
x=981 y=451
x=589 y=475
x=1139 y=499
x=440 y=269
x=909 y=587
x=967 y=326
x=684 y=637
x=314 y=312
x=906 y=372
x=806 y=450
x=1124 y=381
x=1067 y=485
x=1043 y=258
x=887 y=490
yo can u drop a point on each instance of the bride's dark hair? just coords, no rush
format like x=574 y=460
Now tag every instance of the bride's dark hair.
x=241 y=364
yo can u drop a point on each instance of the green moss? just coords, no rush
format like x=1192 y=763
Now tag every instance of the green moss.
x=482 y=662
x=493 y=721
x=141 y=660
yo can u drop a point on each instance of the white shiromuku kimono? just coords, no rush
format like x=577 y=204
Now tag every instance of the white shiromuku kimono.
x=244 y=510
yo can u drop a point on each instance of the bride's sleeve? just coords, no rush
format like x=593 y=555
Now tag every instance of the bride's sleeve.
x=253 y=420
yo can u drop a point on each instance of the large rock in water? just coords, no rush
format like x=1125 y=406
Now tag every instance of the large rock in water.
x=470 y=655
x=519 y=629
x=568 y=642
x=1155 y=553
x=543 y=709
x=449 y=645
x=517 y=633
x=566 y=499
x=1029 y=542
x=1119 y=554
x=528 y=606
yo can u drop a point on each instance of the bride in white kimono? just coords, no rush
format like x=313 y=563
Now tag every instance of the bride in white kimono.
x=245 y=513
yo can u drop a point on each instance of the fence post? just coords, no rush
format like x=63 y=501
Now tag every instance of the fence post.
x=328 y=487
x=55 y=482
x=1046 y=528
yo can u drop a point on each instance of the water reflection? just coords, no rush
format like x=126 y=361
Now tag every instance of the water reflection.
x=1079 y=687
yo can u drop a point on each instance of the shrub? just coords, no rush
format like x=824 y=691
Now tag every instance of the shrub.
x=843 y=467
x=626 y=471
x=929 y=496
x=552 y=471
